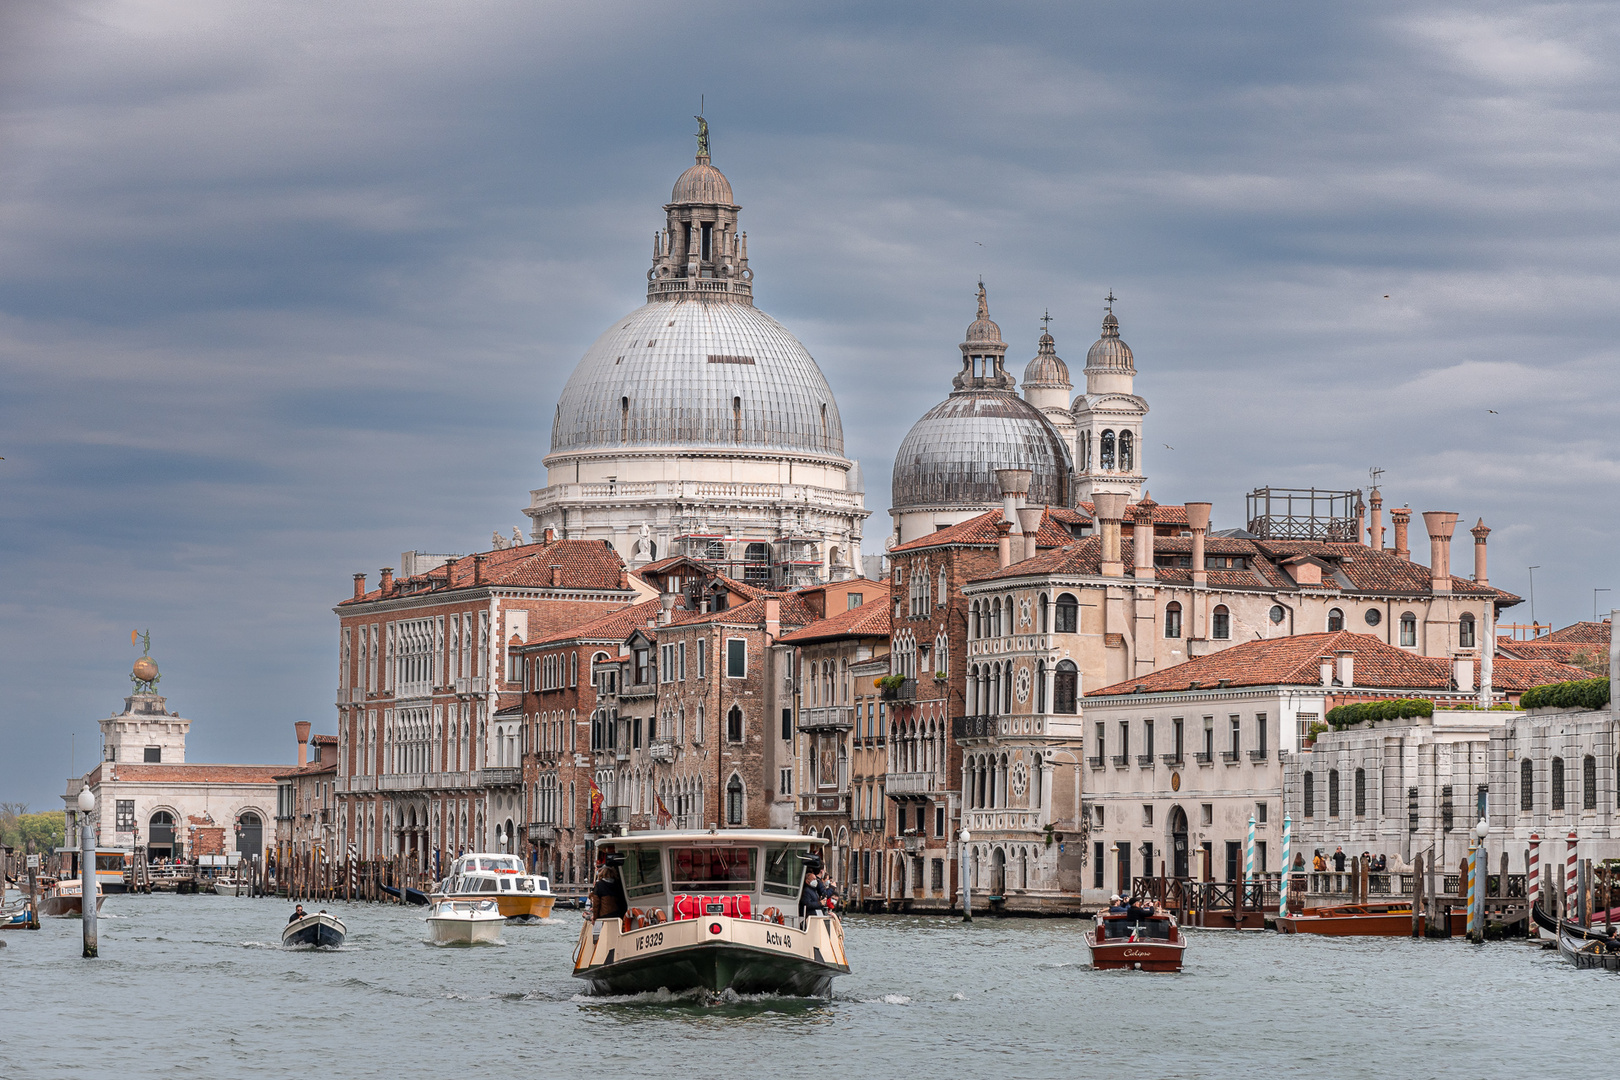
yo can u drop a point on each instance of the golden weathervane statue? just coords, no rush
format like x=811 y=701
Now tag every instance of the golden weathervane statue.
x=145 y=672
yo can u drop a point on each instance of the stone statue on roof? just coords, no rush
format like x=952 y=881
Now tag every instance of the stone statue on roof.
x=517 y=537
x=497 y=541
x=702 y=135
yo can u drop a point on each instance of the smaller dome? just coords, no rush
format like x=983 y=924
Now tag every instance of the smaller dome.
x=702 y=183
x=1048 y=368
x=982 y=329
x=1110 y=351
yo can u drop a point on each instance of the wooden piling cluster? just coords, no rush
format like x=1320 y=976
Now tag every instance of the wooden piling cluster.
x=308 y=877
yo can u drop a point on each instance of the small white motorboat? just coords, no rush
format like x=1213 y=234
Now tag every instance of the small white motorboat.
x=320 y=930
x=230 y=885
x=465 y=922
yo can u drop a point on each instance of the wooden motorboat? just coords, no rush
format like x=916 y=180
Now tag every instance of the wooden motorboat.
x=319 y=930
x=501 y=878
x=465 y=922
x=63 y=900
x=1144 y=941
x=230 y=885
x=712 y=911
x=1362 y=920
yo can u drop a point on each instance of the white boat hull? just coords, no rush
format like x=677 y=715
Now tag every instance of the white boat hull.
x=456 y=930
x=224 y=888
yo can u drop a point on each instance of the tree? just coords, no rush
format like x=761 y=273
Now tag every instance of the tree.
x=47 y=830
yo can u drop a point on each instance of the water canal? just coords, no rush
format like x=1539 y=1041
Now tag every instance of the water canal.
x=196 y=986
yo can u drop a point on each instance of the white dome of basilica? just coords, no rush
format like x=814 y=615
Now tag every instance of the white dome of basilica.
x=694 y=373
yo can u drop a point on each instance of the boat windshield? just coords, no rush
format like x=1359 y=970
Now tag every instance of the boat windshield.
x=642 y=872
x=784 y=869
x=711 y=869
x=1144 y=929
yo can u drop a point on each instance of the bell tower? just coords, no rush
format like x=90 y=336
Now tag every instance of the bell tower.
x=1108 y=419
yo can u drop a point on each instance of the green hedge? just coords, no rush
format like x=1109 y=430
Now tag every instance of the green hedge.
x=1346 y=716
x=1577 y=694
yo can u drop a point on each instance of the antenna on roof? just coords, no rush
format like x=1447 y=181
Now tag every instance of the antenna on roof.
x=1374 y=473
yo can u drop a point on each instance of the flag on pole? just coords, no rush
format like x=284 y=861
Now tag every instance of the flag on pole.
x=596 y=804
x=663 y=816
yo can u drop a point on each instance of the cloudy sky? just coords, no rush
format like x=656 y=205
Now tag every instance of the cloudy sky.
x=289 y=288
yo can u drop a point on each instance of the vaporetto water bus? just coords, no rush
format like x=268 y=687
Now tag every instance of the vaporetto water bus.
x=714 y=911
x=483 y=875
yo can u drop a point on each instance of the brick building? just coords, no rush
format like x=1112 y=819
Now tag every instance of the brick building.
x=306 y=800
x=429 y=733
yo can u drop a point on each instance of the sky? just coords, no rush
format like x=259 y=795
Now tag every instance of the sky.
x=289 y=288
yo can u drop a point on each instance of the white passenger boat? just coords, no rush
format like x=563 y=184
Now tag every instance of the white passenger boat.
x=64 y=900
x=713 y=911
x=501 y=878
x=465 y=922
x=230 y=885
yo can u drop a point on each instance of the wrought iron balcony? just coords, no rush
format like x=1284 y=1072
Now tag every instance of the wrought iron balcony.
x=1095 y=760
x=905 y=691
x=1203 y=757
x=1259 y=755
x=1229 y=756
x=1145 y=760
x=1171 y=759
x=1121 y=760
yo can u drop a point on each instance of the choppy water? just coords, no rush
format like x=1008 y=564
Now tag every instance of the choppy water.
x=197 y=986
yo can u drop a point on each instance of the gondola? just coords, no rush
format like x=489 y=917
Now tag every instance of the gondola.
x=319 y=930
x=1554 y=926
x=1588 y=953
x=412 y=896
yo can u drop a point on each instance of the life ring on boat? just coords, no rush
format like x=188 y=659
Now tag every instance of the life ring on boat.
x=771 y=914
x=635 y=920
x=656 y=916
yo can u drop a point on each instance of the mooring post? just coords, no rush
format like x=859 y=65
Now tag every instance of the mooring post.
x=1417 y=895
x=33 y=886
x=87 y=871
x=967 y=881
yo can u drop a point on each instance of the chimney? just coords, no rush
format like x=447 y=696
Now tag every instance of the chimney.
x=1375 y=531
x=1014 y=485
x=1361 y=514
x=1480 y=531
x=1440 y=525
x=478 y=569
x=1029 y=519
x=666 y=604
x=386 y=583
x=359 y=586
x=1346 y=666
x=1400 y=518
x=1004 y=544
x=624 y=578
x=450 y=573
x=1462 y=669
x=1142 y=537
x=1198 y=522
x=556 y=576
x=549 y=536
x=1327 y=670
x=773 y=617
x=1110 y=507
x=302 y=728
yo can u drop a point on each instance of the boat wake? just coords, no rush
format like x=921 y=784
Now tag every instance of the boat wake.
x=707 y=999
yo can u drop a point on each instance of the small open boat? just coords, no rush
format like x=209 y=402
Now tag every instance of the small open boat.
x=319 y=930
x=465 y=922
x=63 y=900
x=1148 y=942
x=230 y=885
x=1362 y=920
x=702 y=914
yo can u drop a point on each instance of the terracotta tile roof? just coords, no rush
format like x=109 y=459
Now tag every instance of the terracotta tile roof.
x=794 y=612
x=311 y=769
x=1581 y=633
x=865 y=620
x=612 y=627
x=1508 y=673
x=583 y=564
x=1294 y=661
x=137 y=773
x=981 y=531
x=1163 y=513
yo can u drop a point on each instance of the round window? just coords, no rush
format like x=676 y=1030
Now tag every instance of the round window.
x=1374 y=616
x=1277 y=613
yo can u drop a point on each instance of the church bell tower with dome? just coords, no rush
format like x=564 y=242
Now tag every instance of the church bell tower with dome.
x=698 y=425
x=1108 y=419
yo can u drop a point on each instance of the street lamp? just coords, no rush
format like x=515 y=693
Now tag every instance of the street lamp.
x=88 y=890
x=1478 y=865
x=967 y=883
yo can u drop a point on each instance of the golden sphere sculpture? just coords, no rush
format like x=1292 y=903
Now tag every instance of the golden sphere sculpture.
x=145 y=670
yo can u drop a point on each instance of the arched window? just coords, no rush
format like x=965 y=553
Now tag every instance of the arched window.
x=1408 y=629
x=1085 y=451
x=1220 y=623
x=1527 y=786
x=1333 y=793
x=1556 y=786
x=941 y=656
x=1310 y=794
x=1335 y=620
x=1045 y=607
x=1105 y=456
x=1127 y=451
x=1068 y=614
x=734 y=800
x=1040 y=686
x=1361 y=793
x=973 y=621
x=756 y=564
x=1465 y=632
x=944 y=594
x=1066 y=688
x=1172 y=619
x=734 y=724
x=1589 y=783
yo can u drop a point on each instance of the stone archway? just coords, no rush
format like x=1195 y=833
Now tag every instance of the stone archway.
x=998 y=872
x=1179 y=851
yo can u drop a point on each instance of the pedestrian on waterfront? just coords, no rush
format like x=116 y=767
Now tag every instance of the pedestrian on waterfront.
x=1299 y=862
x=1380 y=864
x=1319 y=864
x=1338 y=860
x=298 y=913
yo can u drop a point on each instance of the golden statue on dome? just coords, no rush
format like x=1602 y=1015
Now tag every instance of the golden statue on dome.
x=145 y=672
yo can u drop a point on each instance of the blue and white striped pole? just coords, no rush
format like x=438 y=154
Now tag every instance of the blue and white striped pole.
x=1248 y=861
x=1287 y=866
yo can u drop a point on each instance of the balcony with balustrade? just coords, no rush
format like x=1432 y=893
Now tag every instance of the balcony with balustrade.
x=912 y=784
x=827 y=718
x=503 y=776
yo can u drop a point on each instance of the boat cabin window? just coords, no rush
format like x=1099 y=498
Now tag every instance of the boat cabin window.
x=715 y=869
x=480 y=884
x=506 y=884
x=1144 y=929
x=525 y=884
x=784 y=870
x=642 y=872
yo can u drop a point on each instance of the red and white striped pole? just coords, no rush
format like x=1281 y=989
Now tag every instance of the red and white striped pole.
x=1569 y=877
x=1532 y=873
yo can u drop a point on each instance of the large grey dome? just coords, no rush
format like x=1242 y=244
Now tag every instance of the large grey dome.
x=698 y=373
x=949 y=458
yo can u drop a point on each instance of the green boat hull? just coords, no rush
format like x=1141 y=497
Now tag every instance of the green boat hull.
x=715 y=968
